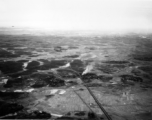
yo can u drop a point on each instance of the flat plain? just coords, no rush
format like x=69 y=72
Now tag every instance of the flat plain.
x=46 y=72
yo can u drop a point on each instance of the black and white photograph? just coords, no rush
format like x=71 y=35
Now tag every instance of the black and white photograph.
x=76 y=59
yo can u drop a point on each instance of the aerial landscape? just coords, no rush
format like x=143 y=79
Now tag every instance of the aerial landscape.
x=45 y=73
x=76 y=59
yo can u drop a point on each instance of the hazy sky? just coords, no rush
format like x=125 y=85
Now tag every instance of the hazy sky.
x=110 y=15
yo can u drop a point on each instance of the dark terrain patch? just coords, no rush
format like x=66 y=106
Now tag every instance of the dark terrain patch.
x=7 y=108
x=18 y=53
x=32 y=65
x=87 y=78
x=79 y=115
x=65 y=73
x=105 y=78
x=115 y=62
x=72 y=56
x=93 y=84
x=11 y=66
x=59 y=49
x=145 y=75
x=136 y=72
x=143 y=57
x=117 y=66
x=8 y=96
x=147 y=69
x=23 y=52
x=144 y=116
x=34 y=55
x=23 y=73
x=130 y=78
x=42 y=80
x=30 y=115
x=6 y=54
x=36 y=80
x=51 y=64
x=77 y=65
x=109 y=69
x=18 y=83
